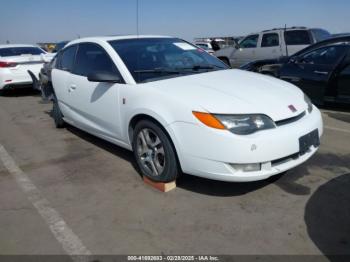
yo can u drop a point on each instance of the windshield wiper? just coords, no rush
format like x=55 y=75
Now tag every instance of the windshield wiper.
x=158 y=71
x=201 y=67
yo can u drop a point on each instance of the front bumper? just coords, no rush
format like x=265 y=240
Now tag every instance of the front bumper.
x=209 y=153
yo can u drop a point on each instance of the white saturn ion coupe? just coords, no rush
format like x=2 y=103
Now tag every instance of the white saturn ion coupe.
x=180 y=109
x=16 y=60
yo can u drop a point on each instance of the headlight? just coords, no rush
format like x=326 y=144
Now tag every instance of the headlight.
x=309 y=103
x=245 y=124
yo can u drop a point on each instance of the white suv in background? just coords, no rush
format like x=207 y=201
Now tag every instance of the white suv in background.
x=271 y=44
x=206 y=46
x=16 y=60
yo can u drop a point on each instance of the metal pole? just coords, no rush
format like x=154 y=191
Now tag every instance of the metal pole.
x=137 y=17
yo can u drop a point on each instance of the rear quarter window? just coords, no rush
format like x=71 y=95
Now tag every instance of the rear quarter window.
x=297 y=37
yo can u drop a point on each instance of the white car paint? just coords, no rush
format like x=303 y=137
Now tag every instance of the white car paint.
x=18 y=75
x=106 y=110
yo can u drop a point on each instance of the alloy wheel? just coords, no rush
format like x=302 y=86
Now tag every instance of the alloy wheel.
x=150 y=151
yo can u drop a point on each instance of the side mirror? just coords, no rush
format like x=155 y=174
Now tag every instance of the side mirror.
x=105 y=77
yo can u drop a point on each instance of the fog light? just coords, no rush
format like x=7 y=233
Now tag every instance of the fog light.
x=247 y=167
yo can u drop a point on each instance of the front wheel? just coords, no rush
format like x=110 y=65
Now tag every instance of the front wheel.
x=154 y=152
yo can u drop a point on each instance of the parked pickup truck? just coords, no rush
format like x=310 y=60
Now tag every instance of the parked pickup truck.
x=271 y=44
x=321 y=71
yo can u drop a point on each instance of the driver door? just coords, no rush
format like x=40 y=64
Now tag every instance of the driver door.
x=94 y=105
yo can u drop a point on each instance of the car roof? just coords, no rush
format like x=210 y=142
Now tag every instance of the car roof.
x=16 y=45
x=294 y=28
x=112 y=38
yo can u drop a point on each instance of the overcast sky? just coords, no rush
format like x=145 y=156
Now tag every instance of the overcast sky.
x=31 y=21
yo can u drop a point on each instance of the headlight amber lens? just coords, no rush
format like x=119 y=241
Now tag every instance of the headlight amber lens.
x=208 y=120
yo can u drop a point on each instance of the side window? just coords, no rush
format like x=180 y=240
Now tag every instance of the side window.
x=297 y=37
x=270 y=39
x=67 y=58
x=249 y=42
x=93 y=58
x=324 y=56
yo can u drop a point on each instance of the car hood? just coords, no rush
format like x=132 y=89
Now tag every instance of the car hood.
x=235 y=92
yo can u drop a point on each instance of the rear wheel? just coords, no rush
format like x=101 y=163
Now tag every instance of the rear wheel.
x=154 y=152
x=57 y=115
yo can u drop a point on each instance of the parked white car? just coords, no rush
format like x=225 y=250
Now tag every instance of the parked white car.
x=206 y=46
x=16 y=60
x=271 y=44
x=182 y=110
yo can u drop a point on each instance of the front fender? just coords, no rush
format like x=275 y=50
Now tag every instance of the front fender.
x=165 y=122
x=165 y=110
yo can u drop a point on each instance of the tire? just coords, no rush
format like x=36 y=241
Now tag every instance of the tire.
x=154 y=152
x=225 y=60
x=57 y=115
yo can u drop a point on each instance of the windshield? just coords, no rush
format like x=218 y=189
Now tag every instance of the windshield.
x=16 y=51
x=151 y=59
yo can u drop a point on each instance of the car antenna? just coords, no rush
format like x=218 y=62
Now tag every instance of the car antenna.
x=284 y=36
x=137 y=18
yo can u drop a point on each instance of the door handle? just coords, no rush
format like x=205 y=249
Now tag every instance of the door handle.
x=72 y=88
x=321 y=72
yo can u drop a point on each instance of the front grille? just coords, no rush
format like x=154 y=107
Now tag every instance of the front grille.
x=290 y=120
